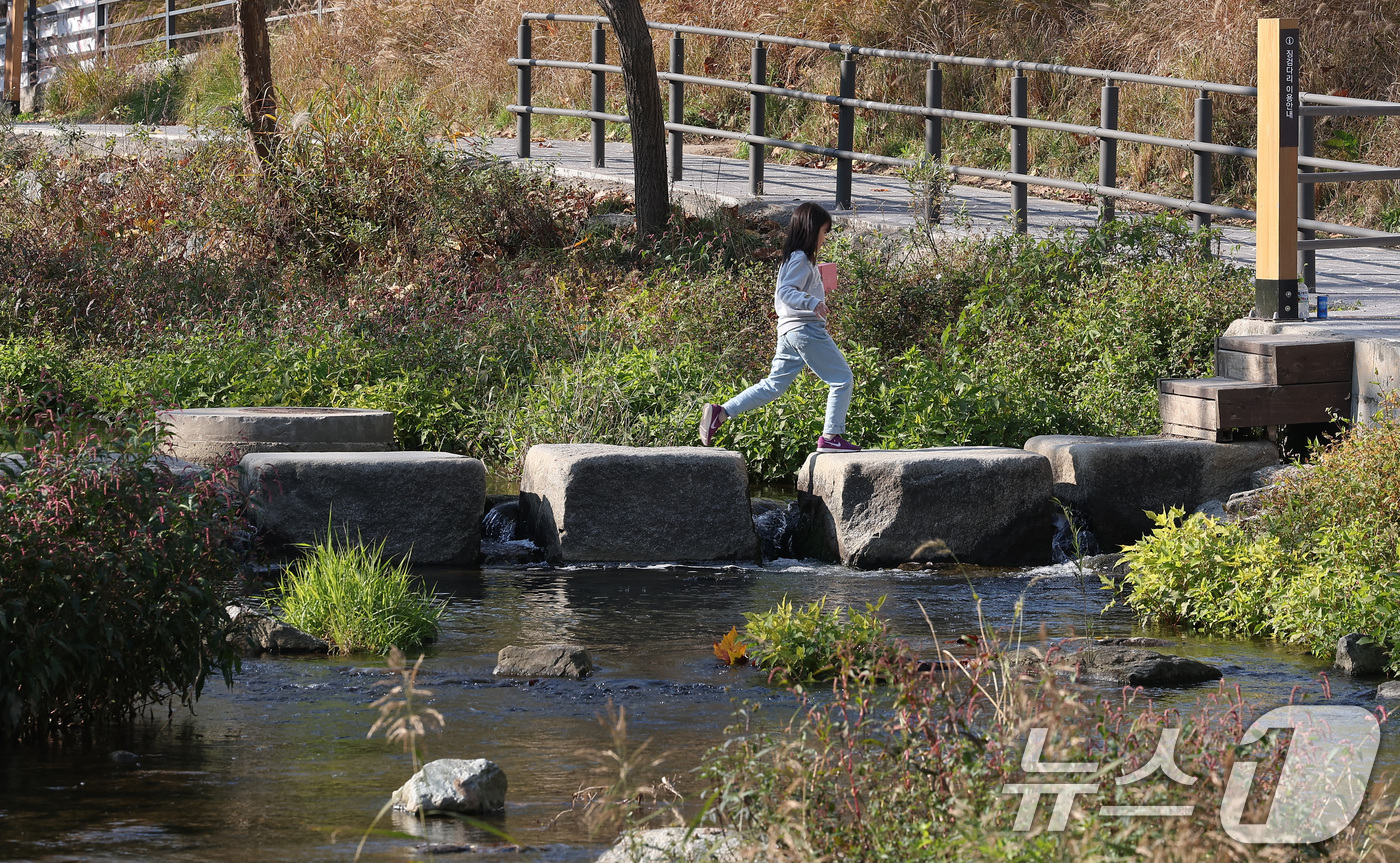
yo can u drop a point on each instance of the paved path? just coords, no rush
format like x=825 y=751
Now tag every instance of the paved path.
x=1367 y=278
x=1365 y=283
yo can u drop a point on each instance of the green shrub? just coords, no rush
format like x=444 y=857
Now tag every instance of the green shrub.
x=347 y=594
x=112 y=572
x=800 y=645
x=1318 y=562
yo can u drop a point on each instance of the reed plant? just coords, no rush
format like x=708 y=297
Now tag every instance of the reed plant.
x=348 y=594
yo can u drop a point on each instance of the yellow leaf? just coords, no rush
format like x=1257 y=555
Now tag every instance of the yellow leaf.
x=730 y=650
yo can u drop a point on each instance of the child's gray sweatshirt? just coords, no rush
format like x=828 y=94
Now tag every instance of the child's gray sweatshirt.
x=799 y=291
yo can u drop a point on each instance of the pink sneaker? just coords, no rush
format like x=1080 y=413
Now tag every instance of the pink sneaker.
x=711 y=418
x=835 y=443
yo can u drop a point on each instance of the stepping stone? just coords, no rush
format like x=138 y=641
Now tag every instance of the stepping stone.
x=1114 y=481
x=1125 y=666
x=882 y=508
x=592 y=503
x=426 y=503
x=208 y=436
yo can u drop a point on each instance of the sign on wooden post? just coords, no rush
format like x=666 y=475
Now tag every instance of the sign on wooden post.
x=1276 y=243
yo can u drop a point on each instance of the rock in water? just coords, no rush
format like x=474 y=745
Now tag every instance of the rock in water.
x=255 y=632
x=1123 y=665
x=454 y=785
x=1116 y=481
x=1389 y=689
x=670 y=845
x=881 y=508
x=1357 y=659
x=547 y=660
x=590 y=503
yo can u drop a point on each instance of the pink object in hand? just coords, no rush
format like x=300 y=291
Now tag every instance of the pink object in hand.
x=828 y=271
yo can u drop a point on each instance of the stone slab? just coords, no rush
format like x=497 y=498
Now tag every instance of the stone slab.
x=588 y=503
x=424 y=503
x=208 y=436
x=881 y=508
x=1114 y=482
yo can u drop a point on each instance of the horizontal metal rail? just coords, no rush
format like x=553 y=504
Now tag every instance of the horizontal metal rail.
x=570 y=112
x=952 y=60
x=1350 y=176
x=1348 y=243
x=1350 y=111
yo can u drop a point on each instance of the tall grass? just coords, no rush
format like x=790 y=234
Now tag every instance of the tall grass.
x=348 y=594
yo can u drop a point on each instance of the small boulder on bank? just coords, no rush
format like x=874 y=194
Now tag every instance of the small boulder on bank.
x=1360 y=659
x=454 y=785
x=675 y=845
x=1129 y=666
x=546 y=660
x=255 y=632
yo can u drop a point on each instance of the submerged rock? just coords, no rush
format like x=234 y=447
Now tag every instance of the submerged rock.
x=1389 y=689
x=675 y=845
x=454 y=785
x=1358 y=659
x=1124 y=665
x=547 y=660
x=255 y=631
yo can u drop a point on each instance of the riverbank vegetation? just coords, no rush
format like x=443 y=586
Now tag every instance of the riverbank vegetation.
x=1316 y=562
x=490 y=311
x=347 y=594
x=113 y=571
x=450 y=59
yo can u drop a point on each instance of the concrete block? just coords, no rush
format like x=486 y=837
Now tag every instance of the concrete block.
x=594 y=502
x=208 y=436
x=1115 y=481
x=426 y=503
x=881 y=508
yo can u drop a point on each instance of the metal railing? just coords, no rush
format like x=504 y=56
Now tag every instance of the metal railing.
x=89 y=28
x=1018 y=121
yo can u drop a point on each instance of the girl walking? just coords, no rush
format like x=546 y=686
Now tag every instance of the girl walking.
x=800 y=301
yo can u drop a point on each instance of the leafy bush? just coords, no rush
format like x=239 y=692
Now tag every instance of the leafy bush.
x=112 y=572
x=800 y=645
x=347 y=594
x=1318 y=562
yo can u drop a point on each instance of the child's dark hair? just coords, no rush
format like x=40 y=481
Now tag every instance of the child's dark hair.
x=806 y=225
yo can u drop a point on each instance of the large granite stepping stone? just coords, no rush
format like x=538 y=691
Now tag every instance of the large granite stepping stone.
x=207 y=436
x=881 y=508
x=428 y=503
x=1115 y=481
x=589 y=503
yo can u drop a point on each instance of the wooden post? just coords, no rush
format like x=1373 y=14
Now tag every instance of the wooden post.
x=14 y=53
x=1276 y=243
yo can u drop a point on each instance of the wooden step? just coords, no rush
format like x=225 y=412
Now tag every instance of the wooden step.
x=1283 y=360
x=1211 y=406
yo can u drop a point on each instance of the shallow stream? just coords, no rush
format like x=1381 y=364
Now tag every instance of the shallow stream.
x=279 y=767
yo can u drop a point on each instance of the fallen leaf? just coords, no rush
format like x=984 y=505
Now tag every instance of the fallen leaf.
x=730 y=650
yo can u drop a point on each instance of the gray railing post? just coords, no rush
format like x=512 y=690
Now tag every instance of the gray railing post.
x=1108 y=148
x=522 y=96
x=169 y=25
x=99 y=24
x=758 y=116
x=677 y=110
x=845 y=132
x=1018 y=152
x=1201 y=174
x=599 y=102
x=1307 y=203
x=933 y=98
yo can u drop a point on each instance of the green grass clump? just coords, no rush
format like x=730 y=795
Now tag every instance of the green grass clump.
x=1318 y=562
x=799 y=645
x=348 y=594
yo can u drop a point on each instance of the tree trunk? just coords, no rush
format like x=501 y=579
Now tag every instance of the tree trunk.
x=255 y=64
x=638 y=63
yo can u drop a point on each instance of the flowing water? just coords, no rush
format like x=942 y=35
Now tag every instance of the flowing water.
x=279 y=768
